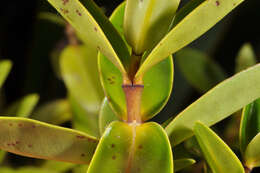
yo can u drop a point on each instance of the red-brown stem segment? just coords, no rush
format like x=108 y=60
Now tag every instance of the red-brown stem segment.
x=133 y=94
x=247 y=170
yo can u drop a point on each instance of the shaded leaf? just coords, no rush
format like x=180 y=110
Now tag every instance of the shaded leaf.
x=40 y=140
x=245 y=58
x=143 y=20
x=159 y=78
x=219 y=156
x=250 y=124
x=95 y=29
x=5 y=67
x=23 y=107
x=133 y=148
x=27 y=169
x=57 y=166
x=106 y=116
x=51 y=17
x=54 y=112
x=217 y=104
x=193 y=25
x=252 y=153
x=180 y=164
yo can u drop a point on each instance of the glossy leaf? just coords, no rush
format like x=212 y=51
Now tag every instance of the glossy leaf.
x=83 y=120
x=40 y=140
x=245 y=58
x=252 y=153
x=57 y=166
x=5 y=67
x=133 y=148
x=193 y=25
x=106 y=116
x=250 y=123
x=199 y=70
x=180 y=164
x=23 y=107
x=226 y=98
x=159 y=78
x=146 y=22
x=219 y=156
x=95 y=29
x=54 y=112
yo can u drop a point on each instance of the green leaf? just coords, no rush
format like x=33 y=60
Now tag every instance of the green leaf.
x=146 y=22
x=245 y=58
x=180 y=164
x=133 y=148
x=80 y=73
x=252 y=153
x=219 y=156
x=5 y=67
x=57 y=166
x=159 y=78
x=250 y=124
x=80 y=169
x=83 y=120
x=95 y=29
x=40 y=140
x=193 y=25
x=199 y=70
x=106 y=116
x=54 y=112
x=23 y=107
x=26 y=169
x=217 y=104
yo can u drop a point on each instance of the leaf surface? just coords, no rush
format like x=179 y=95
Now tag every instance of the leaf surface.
x=180 y=164
x=219 y=156
x=193 y=25
x=5 y=67
x=36 y=139
x=217 y=104
x=252 y=153
x=133 y=148
x=199 y=70
x=95 y=29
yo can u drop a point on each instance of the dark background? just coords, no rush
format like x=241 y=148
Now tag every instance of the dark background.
x=28 y=41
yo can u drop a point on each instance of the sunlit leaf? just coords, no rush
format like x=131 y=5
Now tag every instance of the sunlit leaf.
x=217 y=104
x=23 y=107
x=245 y=58
x=133 y=148
x=250 y=124
x=219 y=156
x=199 y=70
x=193 y=25
x=158 y=78
x=252 y=153
x=40 y=140
x=95 y=29
x=180 y=164
x=5 y=67
x=54 y=112
x=57 y=166
x=106 y=116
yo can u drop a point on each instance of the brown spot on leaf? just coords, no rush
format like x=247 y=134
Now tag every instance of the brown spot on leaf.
x=98 y=48
x=20 y=125
x=17 y=142
x=78 y=12
x=95 y=28
x=65 y=11
x=33 y=126
x=113 y=146
x=217 y=3
x=140 y=147
x=114 y=157
x=80 y=137
x=111 y=80
x=9 y=144
x=82 y=155
x=64 y=2
x=30 y=145
x=10 y=124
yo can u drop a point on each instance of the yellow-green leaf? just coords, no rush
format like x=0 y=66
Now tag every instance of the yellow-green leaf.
x=252 y=153
x=180 y=164
x=133 y=148
x=5 y=67
x=219 y=156
x=217 y=104
x=95 y=29
x=54 y=112
x=146 y=22
x=106 y=116
x=193 y=25
x=199 y=70
x=36 y=139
